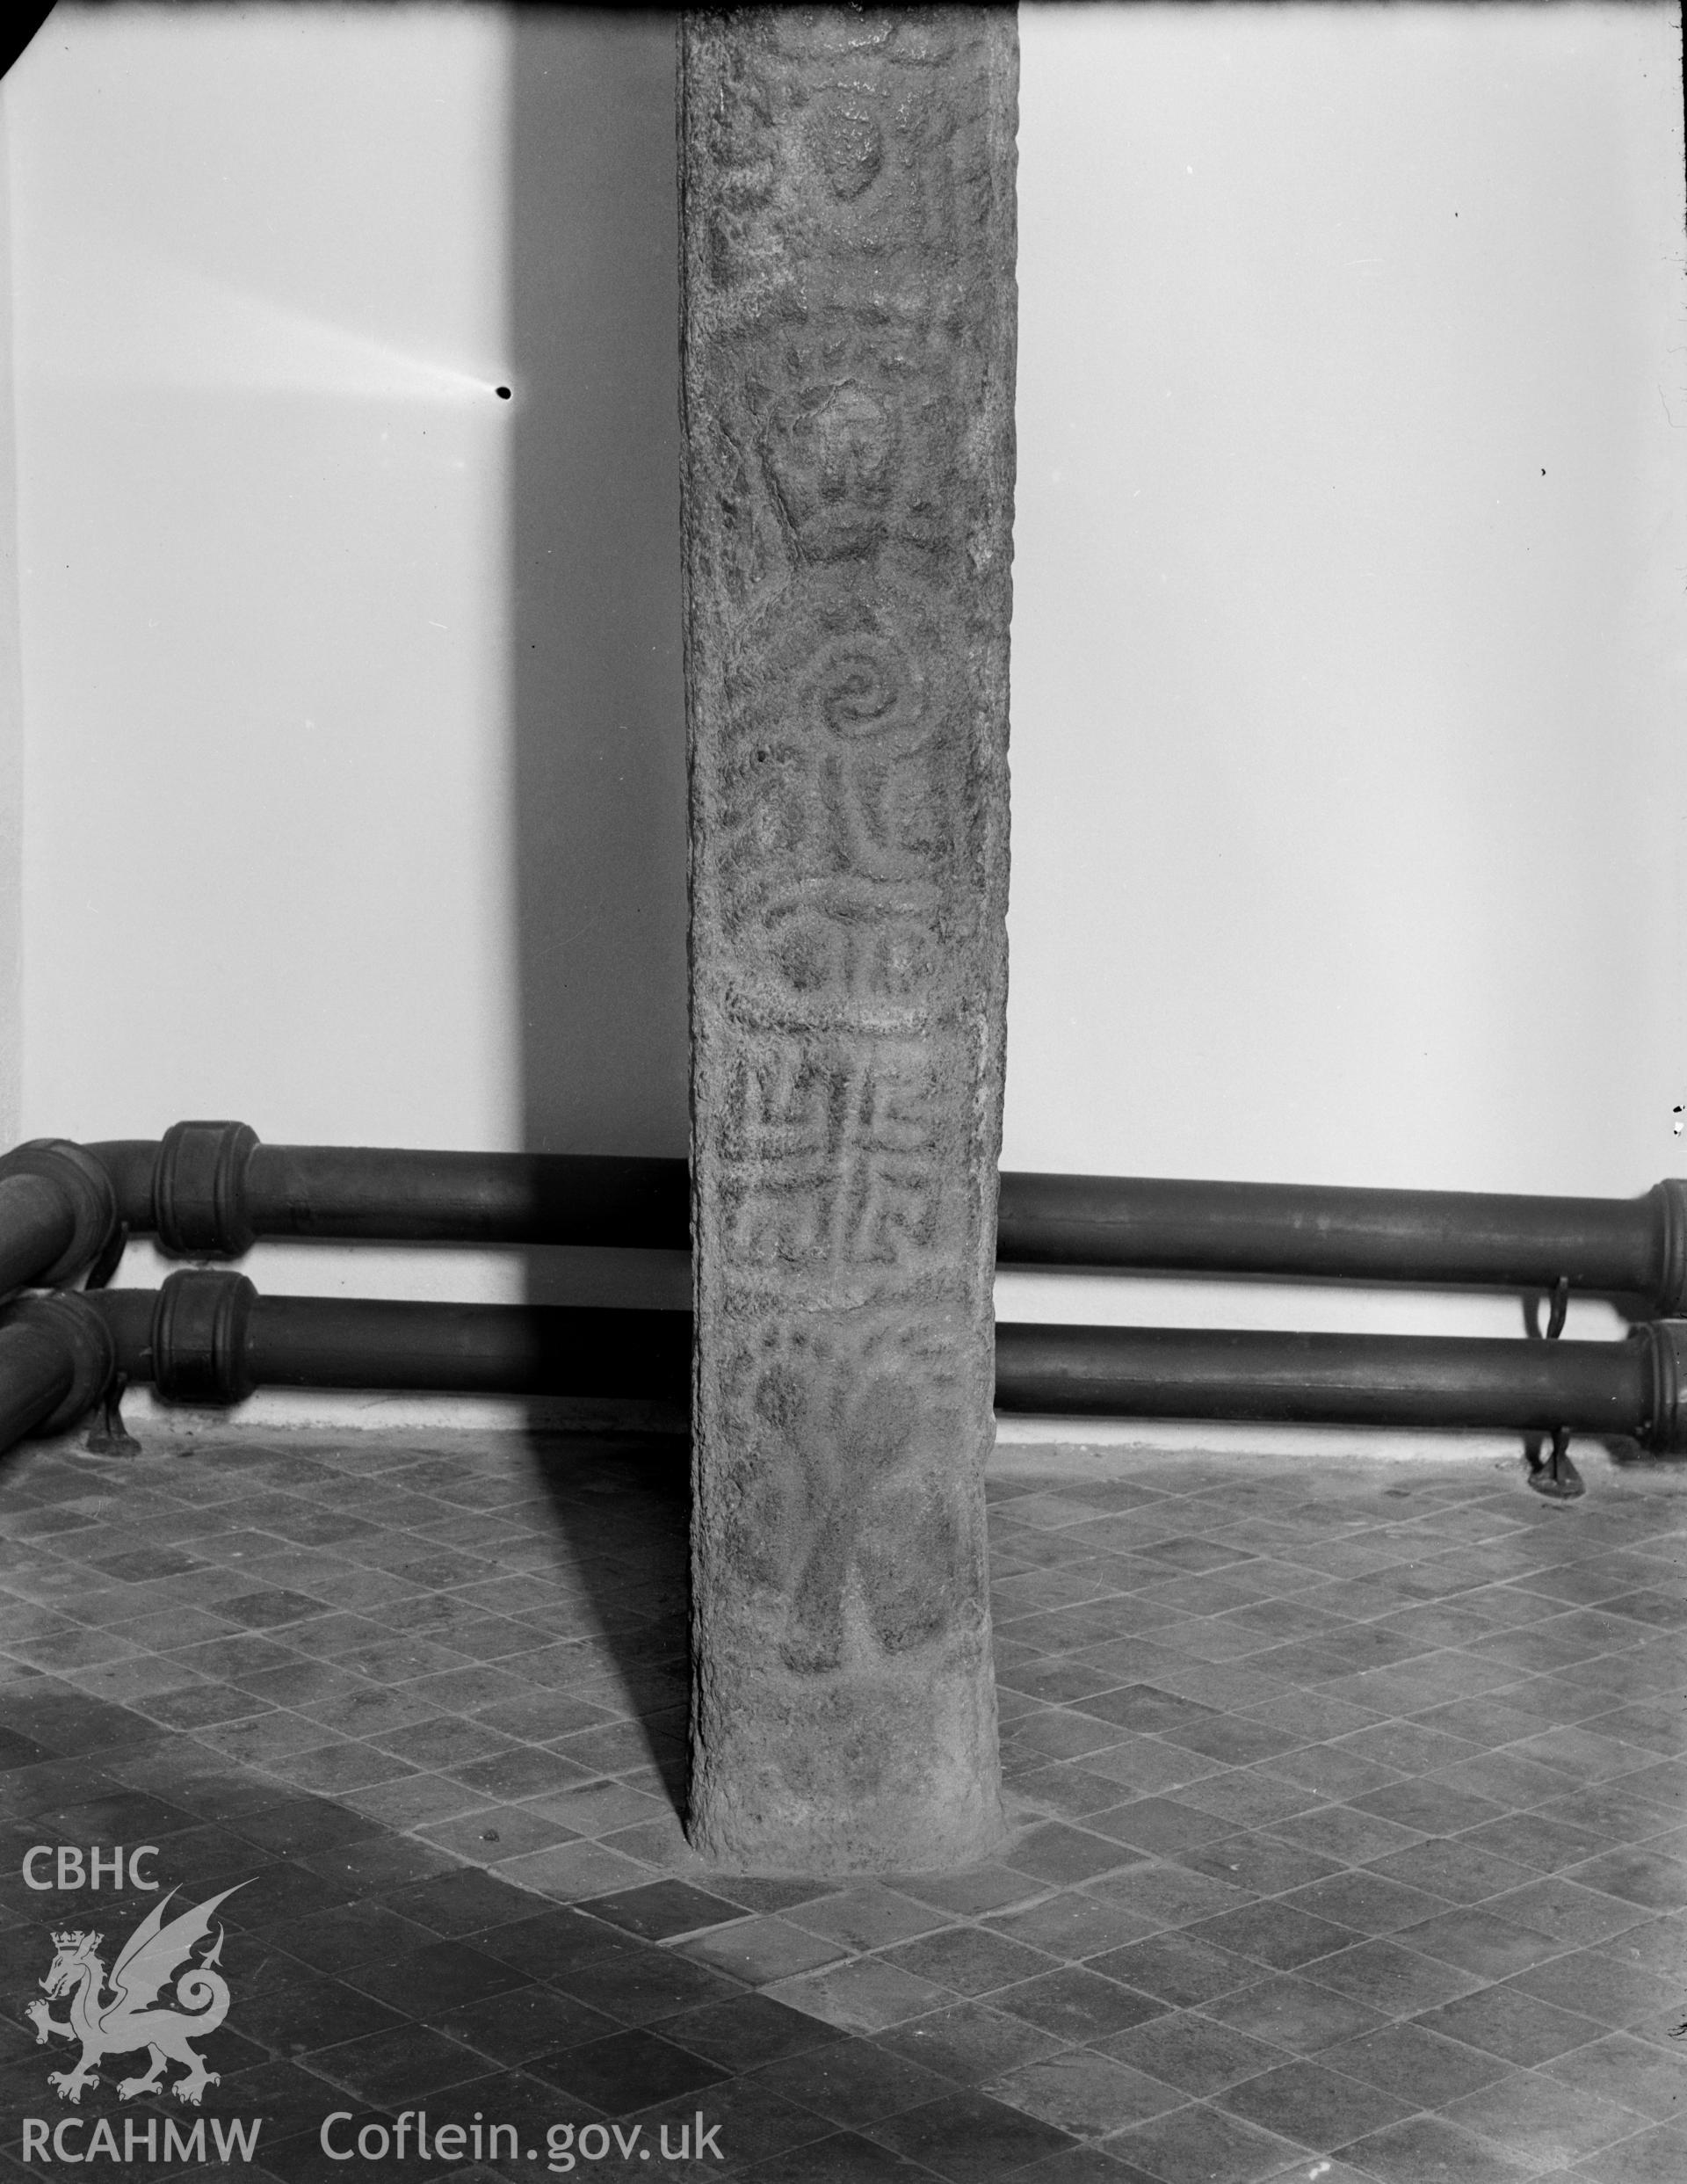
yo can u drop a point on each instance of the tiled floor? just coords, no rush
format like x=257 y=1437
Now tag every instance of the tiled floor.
x=1348 y=1805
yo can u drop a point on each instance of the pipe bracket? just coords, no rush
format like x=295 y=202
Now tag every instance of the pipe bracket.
x=199 y=1190
x=81 y=1180
x=78 y=1329
x=1558 y=1477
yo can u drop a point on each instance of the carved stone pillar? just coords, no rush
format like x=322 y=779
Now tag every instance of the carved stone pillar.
x=849 y=336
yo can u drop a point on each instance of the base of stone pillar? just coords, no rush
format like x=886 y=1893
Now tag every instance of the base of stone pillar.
x=890 y=1774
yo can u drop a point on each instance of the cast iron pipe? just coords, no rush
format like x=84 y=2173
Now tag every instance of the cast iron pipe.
x=1441 y=1240
x=58 y=1213
x=1633 y=1388
x=57 y=1361
x=209 y=1189
x=207 y=1336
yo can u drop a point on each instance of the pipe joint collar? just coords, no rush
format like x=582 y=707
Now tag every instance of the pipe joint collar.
x=77 y=1329
x=1669 y=1294
x=198 y=1337
x=199 y=1190
x=1666 y=1433
x=84 y=1183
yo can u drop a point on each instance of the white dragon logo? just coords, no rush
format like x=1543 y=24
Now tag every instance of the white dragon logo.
x=127 y=2020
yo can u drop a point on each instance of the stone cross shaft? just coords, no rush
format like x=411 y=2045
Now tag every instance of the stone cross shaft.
x=847 y=183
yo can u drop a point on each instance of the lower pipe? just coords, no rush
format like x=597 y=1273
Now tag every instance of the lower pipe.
x=57 y=1361
x=208 y=1337
x=1632 y=1388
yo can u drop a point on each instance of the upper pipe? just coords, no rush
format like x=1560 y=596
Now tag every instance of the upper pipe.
x=208 y=1189
x=58 y=1213
x=1453 y=1239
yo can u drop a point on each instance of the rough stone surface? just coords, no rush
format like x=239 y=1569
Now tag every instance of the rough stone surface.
x=848 y=328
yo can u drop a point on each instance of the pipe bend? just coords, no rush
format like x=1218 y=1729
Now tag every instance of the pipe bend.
x=76 y=1357
x=89 y=1223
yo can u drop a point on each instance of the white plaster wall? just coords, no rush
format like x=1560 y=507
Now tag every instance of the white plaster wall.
x=11 y=706
x=260 y=319
x=1349 y=802
x=1350 y=790
x=1347 y=643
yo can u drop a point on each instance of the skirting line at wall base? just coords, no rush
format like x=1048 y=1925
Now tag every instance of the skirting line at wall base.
x=287 y=1409
x=1020 y=1439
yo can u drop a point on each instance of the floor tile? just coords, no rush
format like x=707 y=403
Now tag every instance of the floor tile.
x=1178 y=1968
x=1061 y=1855
x=1650 y=1879
x=1293 y=2012
x=659 y=1910
x=1083 y=2164
x=1366 y=1902
x=1398 y=1981
x=626 y=2071
x=446 y=1972
x=1192 y=2052
x=1429 y=2149
x=1197 y=2144
x=1561 y=1906
x=970 y=2041
x=851 y=2082
x=1541 y=2121
x=1076 y=1923
x=969 y=1960
x=967 y=2135
x=1263 y=1863
x=1657 y=2156
x=1275 y=1933
x=1620 y=2068
x=844 y=2154
x=749 y=2121
x=1322 y=1748
x=761 y=1950
x=397 y=2067
x=866 y=1916
x=1510 y=2024
x=1076 y=2004
x=865 y=1994
x=1084 y=2093
x=744 y=2032
x=1479 y=1941
x=1596 y=1982
x=522 y=2022
x=1313 y=2105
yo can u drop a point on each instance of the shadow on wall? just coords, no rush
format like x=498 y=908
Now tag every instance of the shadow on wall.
x=599 y=774
x=598 y=777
